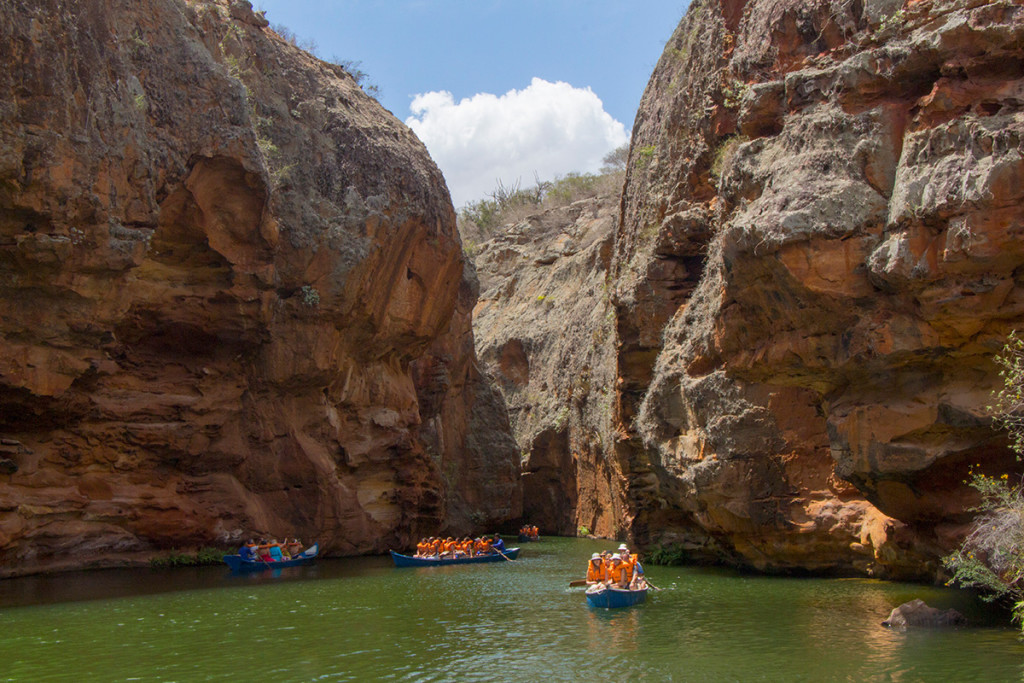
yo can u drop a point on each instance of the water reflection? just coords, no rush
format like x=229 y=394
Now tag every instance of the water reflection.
x=613 y=630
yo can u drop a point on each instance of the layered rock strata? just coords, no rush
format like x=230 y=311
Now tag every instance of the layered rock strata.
x=544 y=327
x=233 y=298
x=819 y=255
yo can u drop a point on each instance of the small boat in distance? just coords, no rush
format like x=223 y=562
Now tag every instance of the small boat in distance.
x=528 y=533
x=240 y=565
x=609 y=597
x=435 y=561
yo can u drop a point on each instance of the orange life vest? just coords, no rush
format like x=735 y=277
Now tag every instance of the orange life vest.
x=596 y=573
x=617 y=572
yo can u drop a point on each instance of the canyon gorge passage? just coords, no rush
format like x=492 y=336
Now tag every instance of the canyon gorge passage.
x=235 y=300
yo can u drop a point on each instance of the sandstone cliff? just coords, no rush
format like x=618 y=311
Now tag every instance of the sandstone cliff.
x=233 y=299
x=819 y=253
x=544 y=327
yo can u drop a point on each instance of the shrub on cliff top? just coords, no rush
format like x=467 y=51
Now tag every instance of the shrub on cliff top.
x=513 y=203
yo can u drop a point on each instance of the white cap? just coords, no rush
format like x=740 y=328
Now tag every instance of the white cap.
x=623 y=547
x=595 y=556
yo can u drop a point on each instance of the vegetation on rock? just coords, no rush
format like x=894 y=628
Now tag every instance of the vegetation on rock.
x=991 y=558
x=481 y=220
x=202 y=557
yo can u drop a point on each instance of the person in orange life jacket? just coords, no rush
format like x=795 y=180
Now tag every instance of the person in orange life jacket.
x=596 y=572
x=616 y=572
x=636 y=570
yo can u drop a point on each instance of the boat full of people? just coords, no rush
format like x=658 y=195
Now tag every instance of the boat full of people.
x=615 y=579
x=271 y=554
x=435 y=551
x=611 y=597
x=528 y=533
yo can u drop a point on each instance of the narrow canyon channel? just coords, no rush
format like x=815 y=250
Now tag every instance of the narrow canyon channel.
x=363 y=619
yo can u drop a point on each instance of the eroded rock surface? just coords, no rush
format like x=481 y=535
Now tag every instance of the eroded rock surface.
x=232 y=298
x=818 y=257
x=545 y=331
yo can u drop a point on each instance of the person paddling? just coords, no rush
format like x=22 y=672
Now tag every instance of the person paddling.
x=498 y=544
x=248 y=552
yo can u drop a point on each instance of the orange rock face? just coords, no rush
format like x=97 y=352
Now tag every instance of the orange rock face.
x=817 y=260
x=233 y=299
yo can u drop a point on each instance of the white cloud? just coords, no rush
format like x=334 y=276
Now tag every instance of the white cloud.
x=547 y=128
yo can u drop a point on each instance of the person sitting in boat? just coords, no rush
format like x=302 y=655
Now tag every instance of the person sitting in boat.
x=617 y=573
x=294 y=548
x=248 y=551
x=634 y=569
x=639 y=580
x=275 y=551
x=263 y=550
x=595 y=570
x=534 y=532
x=498 y=545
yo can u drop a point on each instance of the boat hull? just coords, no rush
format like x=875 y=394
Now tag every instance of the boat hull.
x=412 y=561
x=523 y=538
x=612 y=598
x=240 y=566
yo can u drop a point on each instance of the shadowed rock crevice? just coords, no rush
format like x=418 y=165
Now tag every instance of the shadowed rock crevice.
x=549 y=483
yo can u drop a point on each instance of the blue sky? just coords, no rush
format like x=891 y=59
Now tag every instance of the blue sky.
x=498 y=89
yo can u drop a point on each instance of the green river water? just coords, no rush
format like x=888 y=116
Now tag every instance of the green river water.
x=363 y=619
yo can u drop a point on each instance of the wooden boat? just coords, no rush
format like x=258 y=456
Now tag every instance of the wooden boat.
x=609 y=597
x=237 y=564
x=435 y=561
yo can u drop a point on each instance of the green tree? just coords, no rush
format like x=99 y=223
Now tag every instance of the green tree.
x=991 y=558
x=615 y=161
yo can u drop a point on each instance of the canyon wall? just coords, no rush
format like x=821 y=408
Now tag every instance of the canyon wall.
x=233 y=300
x=544 y=327
x=819 y=255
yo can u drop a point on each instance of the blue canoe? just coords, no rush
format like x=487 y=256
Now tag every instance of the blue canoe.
x=435 y=561
x=237 y=564
x=610 y=598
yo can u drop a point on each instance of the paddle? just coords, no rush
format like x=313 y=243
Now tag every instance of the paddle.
x=651 y=585
x=577 y=583
x=503 y=555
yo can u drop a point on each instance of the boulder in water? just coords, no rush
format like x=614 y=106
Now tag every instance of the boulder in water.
x=918 y=614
